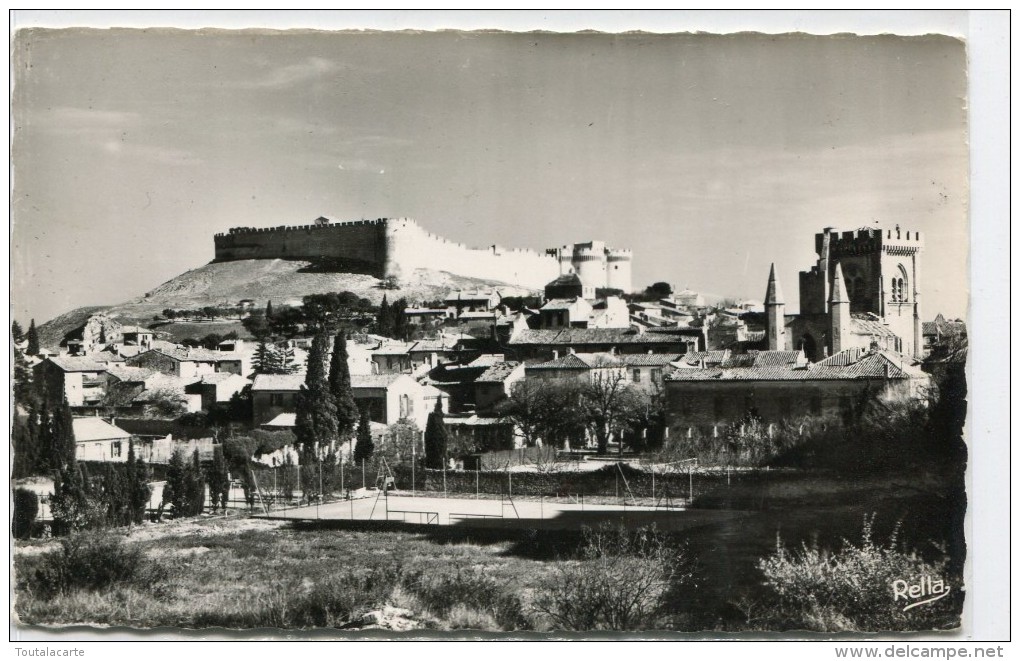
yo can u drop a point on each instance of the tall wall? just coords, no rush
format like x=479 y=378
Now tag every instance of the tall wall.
x=359 y=242
x=387 y=247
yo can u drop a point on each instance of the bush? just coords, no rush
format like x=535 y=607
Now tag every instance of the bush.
x=622 y=582
x=90 y=561
x=466 y=597
x=851 y=589
x=26 y=507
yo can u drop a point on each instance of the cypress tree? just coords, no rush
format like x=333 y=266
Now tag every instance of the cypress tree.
x=17 y=332
x=400 y=328
x=436 y=437
x=340 y=387
x=62 y=436
x=219 y=480
x=269 y=310
x=33 y=340
x=175 y=490
x=46 y=455
x=384 y=320
x=365 y=448
x=315 y=421
x=195 y=479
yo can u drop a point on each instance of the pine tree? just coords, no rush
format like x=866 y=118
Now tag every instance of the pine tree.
x=33 y=340
x=315 y=421
x=269 y=310
x=340 y=387
x=437 y=437
x=365 y=448
x=17 y=332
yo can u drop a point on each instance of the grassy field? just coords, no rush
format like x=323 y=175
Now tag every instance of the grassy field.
x=244 y=573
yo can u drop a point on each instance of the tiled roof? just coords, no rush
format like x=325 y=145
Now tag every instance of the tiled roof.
x=96 y=429
x=282 y=420
x=196 y=354
x=498 y=373
x=434 y=345
x=559 y=304
x=477 y=315
x=850 y=364
x=777 y=358
x=711 y=358
x=579 y=361
x=870 y=327
x=487 y=360
x=645 y=359
x=130 y=374
x=219 y=377
x=278 y=382
x=470 y=296
x=77 y=364
x=393 y=349
x=929 y=328
x=374 y=380
x=569 y=336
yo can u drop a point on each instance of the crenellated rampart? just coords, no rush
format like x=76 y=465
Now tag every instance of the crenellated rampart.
x=386 y=247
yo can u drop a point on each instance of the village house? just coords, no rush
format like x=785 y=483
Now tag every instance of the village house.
x=495 y=383
x=580 y=367
x=98 y=440
x=216 y=388
x=184 y=362
x=472 y=301
x=783 y=386
x=79 y=380
x=646 y=371
x=392 y=357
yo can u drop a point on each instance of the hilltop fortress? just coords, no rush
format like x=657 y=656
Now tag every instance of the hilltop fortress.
x=396 y=246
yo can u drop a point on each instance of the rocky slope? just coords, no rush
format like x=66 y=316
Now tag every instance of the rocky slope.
x=281 y=281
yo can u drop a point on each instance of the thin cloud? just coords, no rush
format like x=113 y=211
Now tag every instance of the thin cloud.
x=289 y=75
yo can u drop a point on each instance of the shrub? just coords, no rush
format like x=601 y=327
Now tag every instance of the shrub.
x=467 y=597
x=26 y=507
x=90 y=561
x=851 y=589
x=622 y=582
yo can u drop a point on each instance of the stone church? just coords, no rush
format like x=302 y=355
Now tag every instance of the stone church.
x=863 y=292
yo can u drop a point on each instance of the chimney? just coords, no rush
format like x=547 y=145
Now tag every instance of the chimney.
x=556 y=354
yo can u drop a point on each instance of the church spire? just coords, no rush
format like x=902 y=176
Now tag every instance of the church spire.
x=839 y=294
x=774 y=293
x=775 y=314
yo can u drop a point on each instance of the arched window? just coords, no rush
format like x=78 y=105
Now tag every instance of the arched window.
x=894 y=290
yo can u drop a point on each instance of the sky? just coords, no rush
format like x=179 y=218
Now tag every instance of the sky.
x=709 y=156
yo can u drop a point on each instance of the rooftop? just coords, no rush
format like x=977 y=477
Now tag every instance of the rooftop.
x=96 y=429
x=278 y=382
x=77 y=364
x=845 y=365
x=579 y=361
x=569 y=336
x=499 y=372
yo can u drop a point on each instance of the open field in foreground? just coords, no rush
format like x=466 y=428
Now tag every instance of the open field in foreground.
x=243 y=572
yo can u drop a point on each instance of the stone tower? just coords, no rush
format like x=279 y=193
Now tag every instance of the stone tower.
x=839 y=314
x=881 y=271
x=775 y=309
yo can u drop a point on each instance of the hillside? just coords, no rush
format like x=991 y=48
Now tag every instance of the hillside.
x=281 y=281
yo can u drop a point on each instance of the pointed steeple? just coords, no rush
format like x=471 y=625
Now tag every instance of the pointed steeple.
x=775 y=314
x=838 y=294
x=774 y=293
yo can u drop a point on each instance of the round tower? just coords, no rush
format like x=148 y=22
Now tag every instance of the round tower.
x=618 y=271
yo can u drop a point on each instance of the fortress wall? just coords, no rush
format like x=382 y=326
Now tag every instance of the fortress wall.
x=394 y=246
x=360 y=241
x=409 y=247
